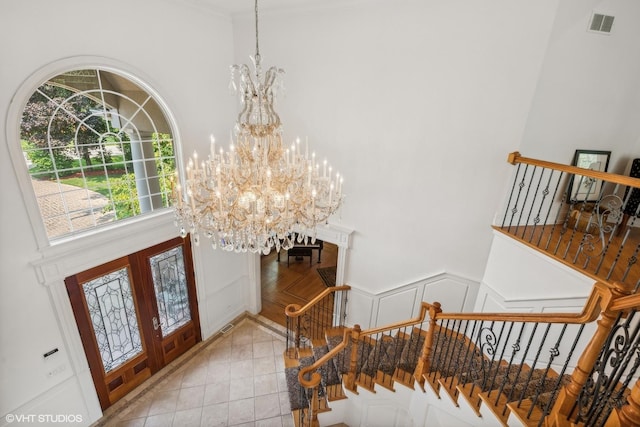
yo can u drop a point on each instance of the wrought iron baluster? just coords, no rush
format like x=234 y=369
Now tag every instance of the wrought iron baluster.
x=506 y=213
x=452 y=337
x=545 y=193
x=590 y=389
x=556 y=387
x=633 y=259
x=434 y=364
x=492 y=351
x=621 y=356
x=526 y=197
x=524 y=355
x=478 y=355
x=534 y=363
x=565 y=227
x=448 y=345
x=521 y=209
x=504 y=348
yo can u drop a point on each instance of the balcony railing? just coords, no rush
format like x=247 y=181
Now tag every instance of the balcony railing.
x=583 y=218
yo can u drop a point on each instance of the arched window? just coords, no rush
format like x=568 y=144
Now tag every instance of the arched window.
x=98 y=148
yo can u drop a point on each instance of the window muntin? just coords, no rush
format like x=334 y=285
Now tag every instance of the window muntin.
x=99 y=149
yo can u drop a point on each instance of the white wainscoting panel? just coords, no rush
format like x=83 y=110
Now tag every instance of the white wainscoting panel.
x=395 y=307
x=359 y=308
x=453 y=293
x=402 y=303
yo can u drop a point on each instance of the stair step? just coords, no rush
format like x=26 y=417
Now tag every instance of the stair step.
x=449 y=385
x=366 y=381
x=431 y=379
x=497 y=403
x=521 y=411
x=403 y=377
x=470 y=393
x=525 y=390
x=335 y=392
x=385 y=380
x=411 y=350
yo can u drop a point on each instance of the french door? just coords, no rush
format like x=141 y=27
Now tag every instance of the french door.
x=135 y=315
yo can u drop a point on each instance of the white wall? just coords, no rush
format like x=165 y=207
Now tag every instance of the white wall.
x=588 y=95
x=183 y=53
x=417 y=103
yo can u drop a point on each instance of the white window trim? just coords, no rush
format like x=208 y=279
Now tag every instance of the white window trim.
x=12 y=129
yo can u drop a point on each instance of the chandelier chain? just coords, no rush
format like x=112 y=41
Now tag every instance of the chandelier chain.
x=257 y=45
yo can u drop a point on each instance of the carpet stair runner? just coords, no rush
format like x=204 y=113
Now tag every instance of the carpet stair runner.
x=502 y=387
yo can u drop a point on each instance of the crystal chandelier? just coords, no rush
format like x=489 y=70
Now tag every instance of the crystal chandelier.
x=259 y=194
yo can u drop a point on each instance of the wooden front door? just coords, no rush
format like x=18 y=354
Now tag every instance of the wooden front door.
x=135 y=314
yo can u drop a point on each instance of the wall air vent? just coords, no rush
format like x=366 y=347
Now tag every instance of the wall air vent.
x=601 y=23
x=227 y=328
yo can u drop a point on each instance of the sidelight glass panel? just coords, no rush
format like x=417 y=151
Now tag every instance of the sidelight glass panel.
x=113 y=316
x=170 y=284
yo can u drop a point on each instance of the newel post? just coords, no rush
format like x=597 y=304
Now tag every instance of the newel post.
x=629 y=414
x=423 y=363
x=350 y=378
x=293 y=321
x=568 y=396
x=314 y=403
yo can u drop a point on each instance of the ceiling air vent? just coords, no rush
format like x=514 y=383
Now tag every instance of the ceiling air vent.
x=601 y=23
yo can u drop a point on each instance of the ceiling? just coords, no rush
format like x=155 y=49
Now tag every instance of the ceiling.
x=245 y=6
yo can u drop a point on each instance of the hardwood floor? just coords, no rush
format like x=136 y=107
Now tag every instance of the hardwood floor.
x=296 y=284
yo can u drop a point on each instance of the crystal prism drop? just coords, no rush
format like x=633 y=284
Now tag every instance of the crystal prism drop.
x=287 y=244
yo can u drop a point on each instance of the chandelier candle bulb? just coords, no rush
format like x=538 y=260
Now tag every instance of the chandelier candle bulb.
x=330 y=192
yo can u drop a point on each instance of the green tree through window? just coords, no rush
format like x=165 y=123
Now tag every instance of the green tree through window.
x=95 y=151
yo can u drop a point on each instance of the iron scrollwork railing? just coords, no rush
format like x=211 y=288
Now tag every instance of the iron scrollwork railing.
x=588 y=226
x=616 y=367
x=504 y=361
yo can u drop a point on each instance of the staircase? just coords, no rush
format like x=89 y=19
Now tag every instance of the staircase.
x=522 y=369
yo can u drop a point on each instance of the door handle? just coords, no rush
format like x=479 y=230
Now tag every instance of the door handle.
x=156 y=325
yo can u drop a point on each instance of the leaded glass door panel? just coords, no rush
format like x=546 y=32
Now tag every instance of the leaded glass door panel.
x=135 y=315
x=107 y=305
x=168 y=267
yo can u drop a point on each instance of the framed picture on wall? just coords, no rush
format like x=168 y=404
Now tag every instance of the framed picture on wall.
x=583 y=188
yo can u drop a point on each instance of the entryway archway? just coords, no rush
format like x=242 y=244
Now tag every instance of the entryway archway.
x=299 y=280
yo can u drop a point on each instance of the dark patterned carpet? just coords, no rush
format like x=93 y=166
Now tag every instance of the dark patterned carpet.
x=328 y=275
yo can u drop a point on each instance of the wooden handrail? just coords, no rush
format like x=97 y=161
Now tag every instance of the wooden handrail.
x=324 y=359
x=598 y=301
x=294 y=310
x=625 y=303
x=515 y=157
x=424 y=309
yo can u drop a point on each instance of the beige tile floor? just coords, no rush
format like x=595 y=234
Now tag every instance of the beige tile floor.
x=234 y=380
